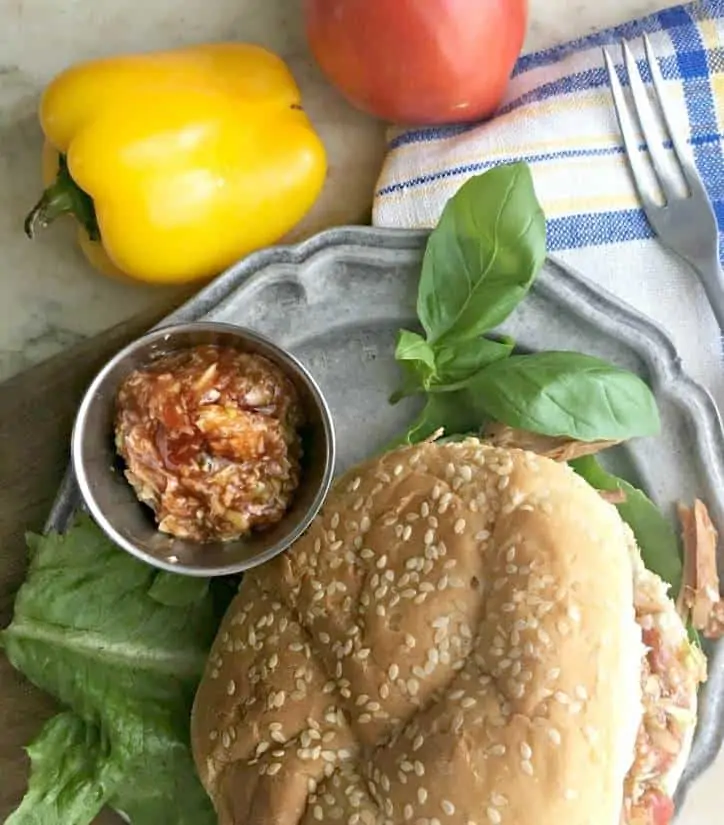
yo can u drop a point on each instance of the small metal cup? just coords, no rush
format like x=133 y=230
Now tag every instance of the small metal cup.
x=112 y=501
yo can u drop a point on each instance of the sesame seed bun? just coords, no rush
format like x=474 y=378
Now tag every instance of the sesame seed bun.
x=452 y=641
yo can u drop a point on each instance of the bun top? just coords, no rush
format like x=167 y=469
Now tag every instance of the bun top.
x=452 y=641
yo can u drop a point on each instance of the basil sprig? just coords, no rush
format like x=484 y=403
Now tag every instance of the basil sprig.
x=479 y=264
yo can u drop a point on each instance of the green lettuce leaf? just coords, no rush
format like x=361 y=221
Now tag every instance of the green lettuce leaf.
x=122 y=646
x=655 y=536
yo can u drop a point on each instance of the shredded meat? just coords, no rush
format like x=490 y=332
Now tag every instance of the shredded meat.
x=613 y=496
x=699 y=599
x=559 y=448
x=715 y=626
x=210 y=441
x=670 y=671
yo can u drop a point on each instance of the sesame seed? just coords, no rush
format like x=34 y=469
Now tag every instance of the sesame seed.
x=422 y=795
x=413 y=686
x=527 y=767
x=574 y=614
x=418 y=742
x=497 y=750
x=554 y=736
x=498 y=799
x=393 y=671
x=494 y=816
x=408 y=811
x=581 y=692
x=459 y=526
x=318 y=813
x=447 y=807
x=468 y=702
x=274 y=768
x=591 y=733
x=231 y=687
x=419 y=768
x=525 y=750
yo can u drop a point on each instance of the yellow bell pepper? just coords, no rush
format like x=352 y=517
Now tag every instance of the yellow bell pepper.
x=177 y=164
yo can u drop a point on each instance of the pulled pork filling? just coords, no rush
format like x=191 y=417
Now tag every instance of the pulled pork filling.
x=672 y=668
x=210 y=440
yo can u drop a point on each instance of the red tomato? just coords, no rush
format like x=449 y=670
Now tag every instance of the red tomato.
x=418 y=61
x=662 y=809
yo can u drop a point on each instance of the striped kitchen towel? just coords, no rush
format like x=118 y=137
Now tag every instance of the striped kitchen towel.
x=558 y=116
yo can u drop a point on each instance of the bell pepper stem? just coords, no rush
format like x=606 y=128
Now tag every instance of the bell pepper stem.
x=63 y=197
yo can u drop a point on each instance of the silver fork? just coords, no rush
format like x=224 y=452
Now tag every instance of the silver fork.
x=685 y=223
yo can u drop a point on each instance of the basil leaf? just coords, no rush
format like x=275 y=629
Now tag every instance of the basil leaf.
x=458 y=362
x=483 y=255
x=447 y=411
x=417 y=361
x=656 y=538
x=566 y=393
x=413 y=347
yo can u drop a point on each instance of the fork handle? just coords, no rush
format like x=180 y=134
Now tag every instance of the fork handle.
x=712 y=279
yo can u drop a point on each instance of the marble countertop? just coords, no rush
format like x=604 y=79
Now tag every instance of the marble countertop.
x=50 y=298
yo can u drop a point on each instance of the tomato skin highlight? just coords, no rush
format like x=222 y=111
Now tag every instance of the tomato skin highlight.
x=662 y=809
x=418 y=61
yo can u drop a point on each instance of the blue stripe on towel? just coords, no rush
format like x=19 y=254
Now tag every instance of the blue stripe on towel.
x=479 y=166
x=597 y=229
x=700 y=105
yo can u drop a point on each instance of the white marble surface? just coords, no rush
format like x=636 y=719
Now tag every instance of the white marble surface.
x=49 y=297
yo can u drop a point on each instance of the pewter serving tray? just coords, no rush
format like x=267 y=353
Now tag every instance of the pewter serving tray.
x=337 y=301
